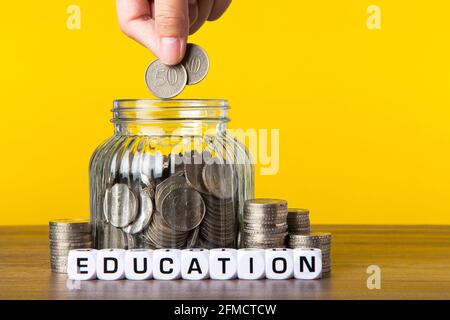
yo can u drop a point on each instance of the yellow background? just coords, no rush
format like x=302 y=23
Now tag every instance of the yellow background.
x=364 y=115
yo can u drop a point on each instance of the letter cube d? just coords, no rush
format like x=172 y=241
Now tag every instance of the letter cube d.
x=307 y=263
x=279 y=263
x=223 y=264
x=138 y=264
x=110 y=264
x=166 y=264
x=251 y=264
x=82 y=264
x=195 y=264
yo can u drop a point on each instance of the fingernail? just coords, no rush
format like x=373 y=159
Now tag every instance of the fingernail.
x=170 y=50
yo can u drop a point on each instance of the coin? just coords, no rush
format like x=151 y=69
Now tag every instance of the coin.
x=111 y=237
x=65 y=235
x=196 y=62
x=165 y=81
x=320 y=240
x=298 y=221
x=264 y=223
x=183 y=209
x=194 y=176
x=144 y=215
x=192 y=238
x=219 y=179
x=120 y=205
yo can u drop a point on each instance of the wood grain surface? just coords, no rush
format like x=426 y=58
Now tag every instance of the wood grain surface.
x=414 y=261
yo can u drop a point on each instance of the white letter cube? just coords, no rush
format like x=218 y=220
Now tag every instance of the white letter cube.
x=195 y=264
x=138 y=264
x=251 y=264
x=110 y=264
x=279 y=263
x=222 y=264
x=307 y=263
x=166 y=264
x=82 y=264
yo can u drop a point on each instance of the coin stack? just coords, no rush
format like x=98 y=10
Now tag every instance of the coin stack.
x=65 y=235
x=264 y=223
x=169 y=81
x=298 y=221
x=320 y=240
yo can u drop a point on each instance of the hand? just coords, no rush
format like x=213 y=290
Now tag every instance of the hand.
x=164 y=25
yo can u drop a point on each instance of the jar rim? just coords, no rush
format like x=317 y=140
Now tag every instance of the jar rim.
x=136 y=104
x=154 y=110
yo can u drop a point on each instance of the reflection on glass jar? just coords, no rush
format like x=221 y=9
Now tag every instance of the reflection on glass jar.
x=169 y=177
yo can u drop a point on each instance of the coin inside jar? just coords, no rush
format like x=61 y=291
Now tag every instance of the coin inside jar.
x=120 y=205
x=183 y=209
x=145 y=213
x=219 y=179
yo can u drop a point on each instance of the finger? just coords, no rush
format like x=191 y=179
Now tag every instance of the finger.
x=193 y=12
x=219 y=7
x=135 y=21
x=204 y=9
x=172 y=27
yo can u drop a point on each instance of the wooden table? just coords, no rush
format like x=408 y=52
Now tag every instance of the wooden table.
x=414 y=261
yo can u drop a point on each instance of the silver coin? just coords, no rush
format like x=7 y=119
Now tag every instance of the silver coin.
x=120 y=205
x=192 y=238
x=183 y=209
x=165 y=81
x=196 y=62
x=194 y=176
x=144 y=215
x=219 y=179
x=110 y=237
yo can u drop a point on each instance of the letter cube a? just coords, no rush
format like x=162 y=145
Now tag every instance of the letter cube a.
x=279 y=263
x=82 y=264
x=222 y=264
x=307 y=263
x=138 y=264
x=166 y=264
x=251 y=264
x=195 y=264
x=110 y=264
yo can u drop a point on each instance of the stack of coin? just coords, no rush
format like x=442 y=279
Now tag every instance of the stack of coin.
x=169 y=81
x=264 y=223
x=219 y=226
x=320 y=240
x=65 y=235
x=298 y=221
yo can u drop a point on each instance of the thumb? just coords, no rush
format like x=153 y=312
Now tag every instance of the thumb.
x=172 y=28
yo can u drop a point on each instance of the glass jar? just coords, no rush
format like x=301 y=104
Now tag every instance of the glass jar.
x=170 y=177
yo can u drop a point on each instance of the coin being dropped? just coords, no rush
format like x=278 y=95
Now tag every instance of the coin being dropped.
x=196 y=62
x=165 y=81
x=183 y=209
x=144 y=215
x=120 y=205
x=219 y=179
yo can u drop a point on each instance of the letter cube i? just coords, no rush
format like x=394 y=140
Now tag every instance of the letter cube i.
x=166 y=264
x=82 y=264
x=138 y=264
x=251 y=264
x=111 y=264
x=279 y=263
x=195 y=264
x=307 y=263
x=222 y=264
